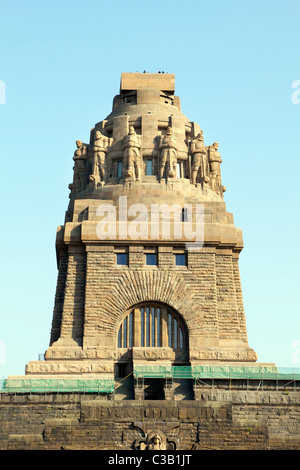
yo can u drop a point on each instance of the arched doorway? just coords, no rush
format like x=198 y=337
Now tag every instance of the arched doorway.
x=150 y=326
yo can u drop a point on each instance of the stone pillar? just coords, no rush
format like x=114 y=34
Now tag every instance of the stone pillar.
x=100 y=260
x=149 y=131
x=59 y=298
x=227 y=301
x=164 y=328
x=120 y=127
x=137 y=327
x=168 y=389
x=73 y=309
x=239 y=297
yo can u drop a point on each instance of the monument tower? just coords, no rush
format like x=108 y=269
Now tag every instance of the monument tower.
x=148 y=256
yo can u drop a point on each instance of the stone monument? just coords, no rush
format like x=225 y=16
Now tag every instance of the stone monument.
x=148 y=256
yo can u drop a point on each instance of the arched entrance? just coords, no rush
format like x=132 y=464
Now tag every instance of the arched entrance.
x=157 y=331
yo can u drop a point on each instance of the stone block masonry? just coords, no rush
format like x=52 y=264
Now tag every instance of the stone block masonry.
x=148 y=301
x=221 y=420
x=145 y=162
x=98 y=292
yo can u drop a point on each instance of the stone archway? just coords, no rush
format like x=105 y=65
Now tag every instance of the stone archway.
x=152 y=325
x=150 y=334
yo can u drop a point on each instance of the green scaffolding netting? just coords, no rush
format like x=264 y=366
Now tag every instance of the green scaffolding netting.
x=57 y=385
x=86 y=385
x=217 y=372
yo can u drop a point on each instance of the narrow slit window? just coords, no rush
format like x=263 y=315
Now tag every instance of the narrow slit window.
x=125 y=333
x=147 y=327
x=158 y=327
x=142 y=328
x=149 y=167
x=119 y=169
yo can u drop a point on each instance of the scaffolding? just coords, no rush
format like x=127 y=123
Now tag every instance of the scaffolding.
x=216 y=372
x=229 y=377
x=252 y=377
x=84 y=385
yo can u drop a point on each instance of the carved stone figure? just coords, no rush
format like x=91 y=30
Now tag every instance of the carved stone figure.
x=132 y=157
x=98 y=162
x=80 y=157
x=215 y=165
x=168 y=154
x=199 y=158
x=154 y=442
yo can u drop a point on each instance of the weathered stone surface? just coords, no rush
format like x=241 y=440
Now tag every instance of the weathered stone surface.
x=235 y=420
x=147 y=255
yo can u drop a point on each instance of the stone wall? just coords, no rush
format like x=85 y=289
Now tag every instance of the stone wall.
x=224 y=420
x=98 y=294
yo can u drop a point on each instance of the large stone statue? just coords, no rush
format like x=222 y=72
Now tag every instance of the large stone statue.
x=168 y=154
x=80 y=157
x=132 y=157
x=98 y=162
x=215 y=165
x=199 y=158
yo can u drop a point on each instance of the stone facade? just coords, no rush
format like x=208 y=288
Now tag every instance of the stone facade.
x=221 y=420
x=148 y=254
x=146 y=157
x=148 y=322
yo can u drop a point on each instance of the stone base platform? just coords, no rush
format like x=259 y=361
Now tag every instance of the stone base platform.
x=220 y=420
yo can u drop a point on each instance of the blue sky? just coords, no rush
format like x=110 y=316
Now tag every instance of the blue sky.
x=234 y=62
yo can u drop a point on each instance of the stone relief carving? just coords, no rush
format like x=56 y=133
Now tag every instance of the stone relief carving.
x=94 y=160
x=67 y=368
x=150 y=353
x=154 y=443
x=132 y=155
x=248 y=356
x=168 y=155
x=156 y=440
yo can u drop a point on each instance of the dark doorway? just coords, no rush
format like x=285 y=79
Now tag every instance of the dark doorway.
x=123 y=369
x=154 y=389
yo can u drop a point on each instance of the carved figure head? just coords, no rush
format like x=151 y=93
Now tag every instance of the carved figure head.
x=78 y=143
